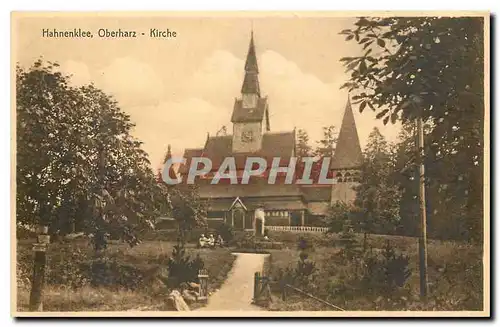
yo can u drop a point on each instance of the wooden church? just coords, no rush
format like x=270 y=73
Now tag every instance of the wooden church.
x=259 y=204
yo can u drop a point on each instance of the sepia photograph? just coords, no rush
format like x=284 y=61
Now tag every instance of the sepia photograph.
x=250 y=164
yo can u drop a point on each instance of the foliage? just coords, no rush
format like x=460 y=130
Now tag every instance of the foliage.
x=189 y=212
x=304 y=272
x=303 y=149
x=430 y=67
x=377 y=195
x=326 y=146
x=226 y=231
x=187 y=209
x=347 y=241
x=78 y=167
x=386 y=273
x=303 y=275
x=454 y=269
x=67 y=263
x=181 y=268
x=110 y=272
x=337 y=214
x=246 y=241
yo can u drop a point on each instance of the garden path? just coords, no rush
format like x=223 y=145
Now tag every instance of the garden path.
x=237 y=291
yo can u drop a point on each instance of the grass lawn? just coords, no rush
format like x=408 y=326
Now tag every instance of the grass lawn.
x=454 y=274
x=145 y=262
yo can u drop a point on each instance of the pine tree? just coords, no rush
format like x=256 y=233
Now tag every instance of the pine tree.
x=303 y=147
x=378 y=194
x=326 y=146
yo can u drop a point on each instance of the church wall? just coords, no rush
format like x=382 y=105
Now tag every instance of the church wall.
x=275 y=220
x=255 y=128
x=343 y=192
x=214 y=223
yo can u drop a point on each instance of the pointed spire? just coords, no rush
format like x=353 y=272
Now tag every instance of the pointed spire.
x=348 y=151
x=251 y=62
x=251 y=81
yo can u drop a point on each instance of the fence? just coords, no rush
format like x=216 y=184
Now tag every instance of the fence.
x=309 y=295
x=261 y=289
x=307 y=229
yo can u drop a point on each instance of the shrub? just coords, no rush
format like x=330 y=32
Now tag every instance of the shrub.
x=348 y=242
x=304 y=272
x=23 y=232
x=226 y=232
x=245 y=241
x=337 y=214
x=305 y=267
x=181 y=268
x=387 y=272
x=106 y=271
x=69 y=268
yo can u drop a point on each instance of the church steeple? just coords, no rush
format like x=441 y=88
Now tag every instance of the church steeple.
x=251 y=80
x=348 y=151
x=250 y=116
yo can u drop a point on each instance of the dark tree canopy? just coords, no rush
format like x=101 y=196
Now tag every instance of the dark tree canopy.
x=78 y=166
x=430 y=67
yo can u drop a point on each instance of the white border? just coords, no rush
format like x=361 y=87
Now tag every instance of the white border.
x=199 y=5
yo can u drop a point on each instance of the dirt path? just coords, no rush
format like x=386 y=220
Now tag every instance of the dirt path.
x=237 y=291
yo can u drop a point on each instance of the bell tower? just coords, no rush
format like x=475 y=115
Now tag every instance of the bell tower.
x=347 y=159
x=250 y=114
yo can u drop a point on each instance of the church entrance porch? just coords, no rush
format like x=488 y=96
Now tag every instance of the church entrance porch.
x=242 y=218
x=238 y=218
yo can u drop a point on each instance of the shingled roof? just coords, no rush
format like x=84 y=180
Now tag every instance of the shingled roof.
x=251 y=84
x=241 y=114
x=188 y=155
x=348 y=151
x=208 y=191
x=273 y=145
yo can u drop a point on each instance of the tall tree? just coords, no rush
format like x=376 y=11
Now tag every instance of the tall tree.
x=326 y=146
x=304 y=149
x=430 y=67
x=377 y=195
x=77 y=163
x=187 y=209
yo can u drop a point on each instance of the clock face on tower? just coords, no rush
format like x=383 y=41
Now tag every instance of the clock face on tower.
x=247 y=136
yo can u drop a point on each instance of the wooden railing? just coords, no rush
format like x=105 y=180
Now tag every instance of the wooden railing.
x=297 y=229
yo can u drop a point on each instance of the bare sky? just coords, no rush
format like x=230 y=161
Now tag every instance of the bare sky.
x=176 y=90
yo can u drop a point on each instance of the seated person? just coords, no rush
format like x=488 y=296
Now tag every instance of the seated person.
x=220 y=241
x=211 y=240
x=203 y=241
